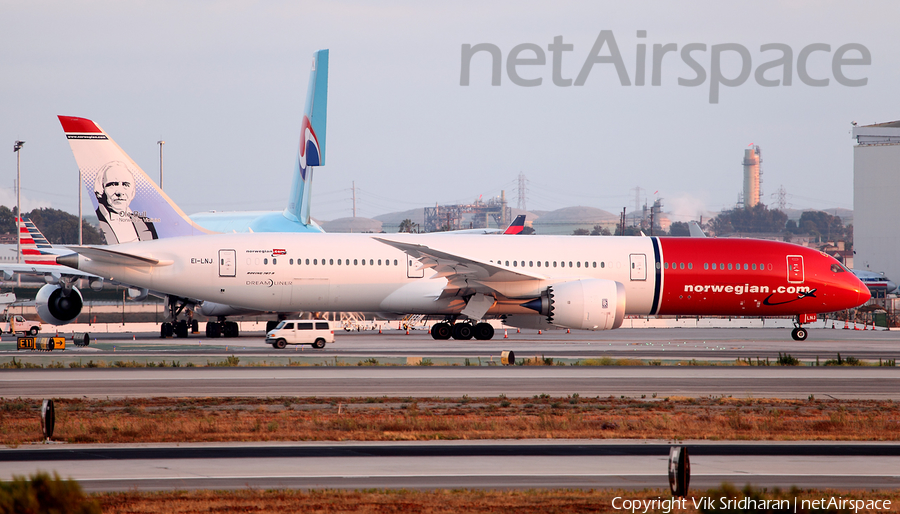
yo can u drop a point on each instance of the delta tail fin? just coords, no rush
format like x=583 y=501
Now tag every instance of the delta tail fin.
x=311 y=151
x=128 y=203
x=517 y=226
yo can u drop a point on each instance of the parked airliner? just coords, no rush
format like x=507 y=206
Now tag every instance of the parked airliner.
x=565 y=281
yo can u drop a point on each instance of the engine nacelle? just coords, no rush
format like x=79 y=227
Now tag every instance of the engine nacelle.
x=57 y=306
x=591 y=304
x=214 y=310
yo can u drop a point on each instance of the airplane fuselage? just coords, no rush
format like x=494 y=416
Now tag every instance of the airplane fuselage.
x=356 y=272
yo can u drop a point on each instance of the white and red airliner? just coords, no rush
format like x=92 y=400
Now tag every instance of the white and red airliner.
x=578 y=282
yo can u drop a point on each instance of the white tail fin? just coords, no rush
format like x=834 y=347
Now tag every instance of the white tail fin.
x=128 y=203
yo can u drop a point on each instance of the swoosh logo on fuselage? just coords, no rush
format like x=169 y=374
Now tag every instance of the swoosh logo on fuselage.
x=805 y=294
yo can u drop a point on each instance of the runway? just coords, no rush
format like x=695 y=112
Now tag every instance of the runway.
x=880 y=383
x=479 y=465
x=670 y=345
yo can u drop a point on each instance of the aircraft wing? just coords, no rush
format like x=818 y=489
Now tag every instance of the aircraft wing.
x=463 y=273
x=54 y=270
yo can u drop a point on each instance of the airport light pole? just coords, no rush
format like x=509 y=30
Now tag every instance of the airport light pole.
x=160 y=143
x=16 y=148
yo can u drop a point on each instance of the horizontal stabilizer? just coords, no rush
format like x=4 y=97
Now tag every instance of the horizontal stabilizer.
x=109 y=256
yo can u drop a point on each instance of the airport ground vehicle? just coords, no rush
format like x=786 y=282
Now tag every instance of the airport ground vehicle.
x=311 y=332
x=20 y=325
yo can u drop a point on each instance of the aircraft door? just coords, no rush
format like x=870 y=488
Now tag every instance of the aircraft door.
x=412 y=268
x=795 y=269
x=227 y=263
x=638 y=266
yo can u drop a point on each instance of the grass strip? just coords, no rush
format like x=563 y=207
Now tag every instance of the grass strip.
x=402 y=419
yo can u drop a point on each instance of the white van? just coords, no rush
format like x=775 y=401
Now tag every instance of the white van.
x=313 y=332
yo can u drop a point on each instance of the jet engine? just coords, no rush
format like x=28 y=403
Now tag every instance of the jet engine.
x=58 y=306
x=590 y=304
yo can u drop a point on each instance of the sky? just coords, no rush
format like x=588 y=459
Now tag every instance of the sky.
x=223 y=83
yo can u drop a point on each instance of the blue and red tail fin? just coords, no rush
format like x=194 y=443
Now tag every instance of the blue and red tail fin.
x=517 y=226
x=139 y=209
x=35 y=250
x=311 y=151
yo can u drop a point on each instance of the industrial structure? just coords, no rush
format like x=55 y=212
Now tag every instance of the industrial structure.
x=752 y=176
x=454 y=217
x=876 y=187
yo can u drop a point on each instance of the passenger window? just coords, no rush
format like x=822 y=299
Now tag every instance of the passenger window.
x=562 y=264
x=304 y=326
x=579 y=264
x=371 y=262
x=265 y=261
x=339 y=262
x=307 y=262
x=680 y=265
x=762 y=266
x=690 y=265
x=248 y=260
x=603 y=264
x=705 y=265
x=570 y=264
x=364 y=262
x=507 y=263
x=714 y=265
x=754 y=266
x=539 y=264
x=395 y=262
x=530 y=264
x=379 y=262
x=274 y=261
x=595 y=263
x=546 y=264
x=321 y=325
x=331 y=261
x=515 y=263
x=769 y=266
x=554 y=264
x=355 y=262
x=746 y=267
x=292 y=261
x=729 y=266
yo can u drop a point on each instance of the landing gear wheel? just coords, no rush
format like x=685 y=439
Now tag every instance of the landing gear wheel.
x=441 y=331
x=799 y=334
x=165 y=330
x=195 y=326
x=462 y=331
x=213 y=329
x=319 y=344
x=181 y=329
x=230 y=329
x=280 y=344
x=483 y=331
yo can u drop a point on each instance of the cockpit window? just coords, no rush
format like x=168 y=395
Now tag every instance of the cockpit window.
x=837 y=268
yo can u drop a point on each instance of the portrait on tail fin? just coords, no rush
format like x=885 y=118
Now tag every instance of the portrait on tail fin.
x=115 y=189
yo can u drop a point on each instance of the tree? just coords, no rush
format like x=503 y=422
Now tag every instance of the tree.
x=679 y=228
x=820 y=224
x=755 y=219
x=407 y=225
x=7 y=220
x=600 y=231
x=60 y=227
x=581 y=232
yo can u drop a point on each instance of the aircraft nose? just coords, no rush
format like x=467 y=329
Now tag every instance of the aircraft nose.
x=863 y=292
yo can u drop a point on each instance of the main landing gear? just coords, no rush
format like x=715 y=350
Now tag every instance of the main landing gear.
x=173 y=326
x=463 y=330
x=222 y=328
x=799 y=334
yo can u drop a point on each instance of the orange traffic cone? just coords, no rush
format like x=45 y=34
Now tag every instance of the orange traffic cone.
x=518 y=330
x=846 y=325
x=506 y=334
x=407 y=330
x=539 y=332
x=379 y=329
x=855 y=326
x=568 y=331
